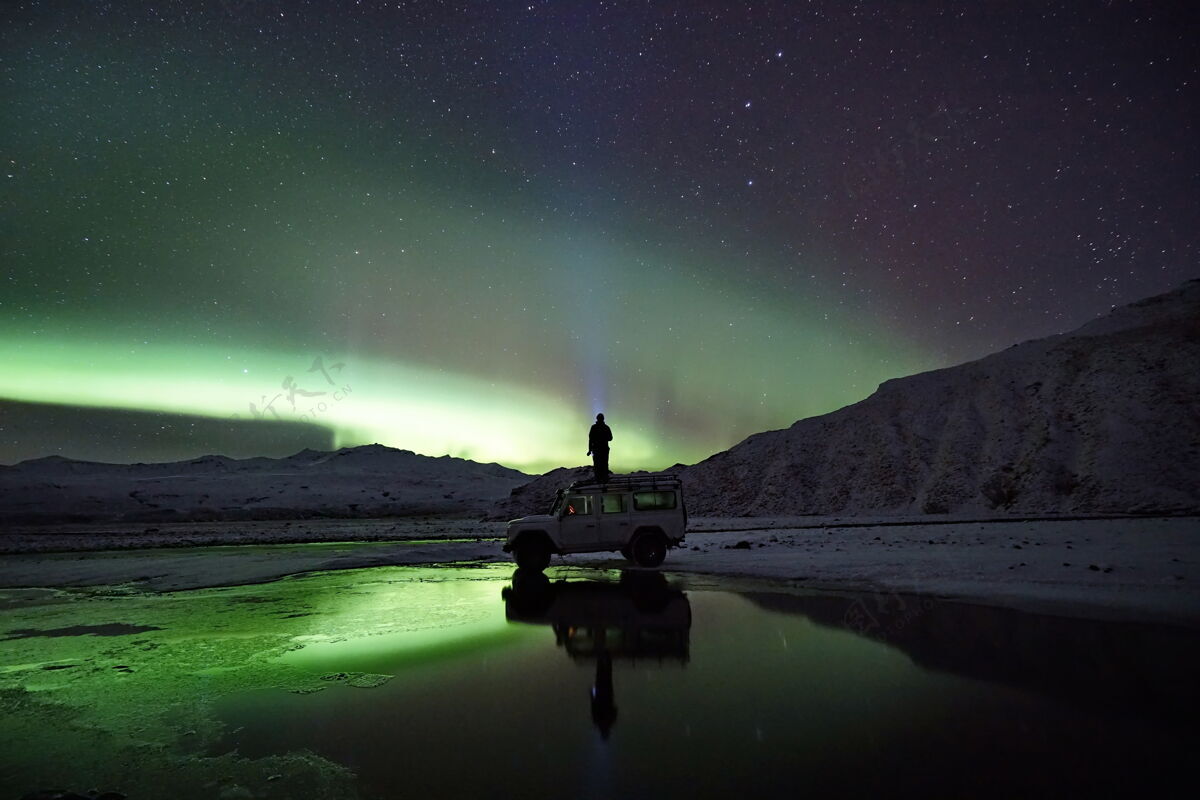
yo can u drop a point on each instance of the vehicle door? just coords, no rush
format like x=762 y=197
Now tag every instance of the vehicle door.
x=660 y=508
x=577 y=523
x=614 y=519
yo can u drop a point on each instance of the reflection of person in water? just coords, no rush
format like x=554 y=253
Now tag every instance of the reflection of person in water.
x=604 y=706
x=598 y=438
x=641 y=618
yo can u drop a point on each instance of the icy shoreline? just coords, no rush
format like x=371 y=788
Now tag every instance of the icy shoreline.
x=1120 y=569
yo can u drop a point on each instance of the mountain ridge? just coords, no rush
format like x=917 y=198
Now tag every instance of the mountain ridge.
x=365 y=481
x=1100 y=419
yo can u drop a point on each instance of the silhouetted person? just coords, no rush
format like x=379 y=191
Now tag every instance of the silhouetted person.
x=598 y=438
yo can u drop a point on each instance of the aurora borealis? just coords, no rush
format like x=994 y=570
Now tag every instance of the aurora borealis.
x=705 y=220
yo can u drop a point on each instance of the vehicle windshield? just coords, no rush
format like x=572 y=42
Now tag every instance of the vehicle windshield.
x=558 y=500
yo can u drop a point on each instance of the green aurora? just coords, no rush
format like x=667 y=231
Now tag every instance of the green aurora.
x=182 y=241
x=534 y=422
x=465 y=328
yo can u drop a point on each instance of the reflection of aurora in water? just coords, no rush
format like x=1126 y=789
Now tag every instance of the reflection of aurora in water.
x=259 y=687
x=120 y=698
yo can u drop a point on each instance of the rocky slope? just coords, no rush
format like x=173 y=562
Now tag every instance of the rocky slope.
x=368 y=481
x=1103 y=419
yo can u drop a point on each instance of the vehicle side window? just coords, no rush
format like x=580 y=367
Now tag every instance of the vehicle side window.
x=653 y=501
x=578 y=504
x=612 y=503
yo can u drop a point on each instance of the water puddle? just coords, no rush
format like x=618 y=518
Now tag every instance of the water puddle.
x=475 y=681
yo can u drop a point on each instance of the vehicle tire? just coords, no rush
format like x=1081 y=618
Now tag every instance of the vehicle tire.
x=529 y=581
x=532 y=554
x=530 y=595
x=649 y=549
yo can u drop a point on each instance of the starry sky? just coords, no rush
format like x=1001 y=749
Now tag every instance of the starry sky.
x=464 y=228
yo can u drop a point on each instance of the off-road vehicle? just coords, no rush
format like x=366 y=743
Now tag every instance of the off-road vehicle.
x=639 y=515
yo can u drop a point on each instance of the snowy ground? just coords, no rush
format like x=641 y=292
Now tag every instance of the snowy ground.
x=1135 y=569
x=127 y=536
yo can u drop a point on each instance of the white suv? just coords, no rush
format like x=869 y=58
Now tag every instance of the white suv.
x=639 y=515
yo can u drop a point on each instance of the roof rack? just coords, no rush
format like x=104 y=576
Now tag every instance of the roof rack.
x=625 y=482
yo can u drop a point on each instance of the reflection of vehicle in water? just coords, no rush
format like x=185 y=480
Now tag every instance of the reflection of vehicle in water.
x=641 y=617
x=639 y=515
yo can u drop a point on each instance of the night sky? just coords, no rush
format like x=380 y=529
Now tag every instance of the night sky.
x=465 y=228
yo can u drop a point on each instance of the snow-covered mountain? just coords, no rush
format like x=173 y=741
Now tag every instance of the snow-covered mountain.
x=1103 y=419
x=367 y=481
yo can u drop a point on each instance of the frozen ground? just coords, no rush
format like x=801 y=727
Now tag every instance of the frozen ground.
x=129 y=536
x=1134 y=569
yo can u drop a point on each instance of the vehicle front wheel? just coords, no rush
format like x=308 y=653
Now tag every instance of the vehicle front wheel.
x=650 y=549
x=532 y=554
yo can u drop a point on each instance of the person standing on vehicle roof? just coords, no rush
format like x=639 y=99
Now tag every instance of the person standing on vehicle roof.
x=598 y=438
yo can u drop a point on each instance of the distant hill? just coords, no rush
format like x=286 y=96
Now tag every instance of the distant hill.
x=368 y=481
x=1105 y=419
x=536 y=496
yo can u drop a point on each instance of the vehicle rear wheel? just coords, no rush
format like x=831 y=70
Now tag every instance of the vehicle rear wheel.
x=532 y=554
x=649 y=549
